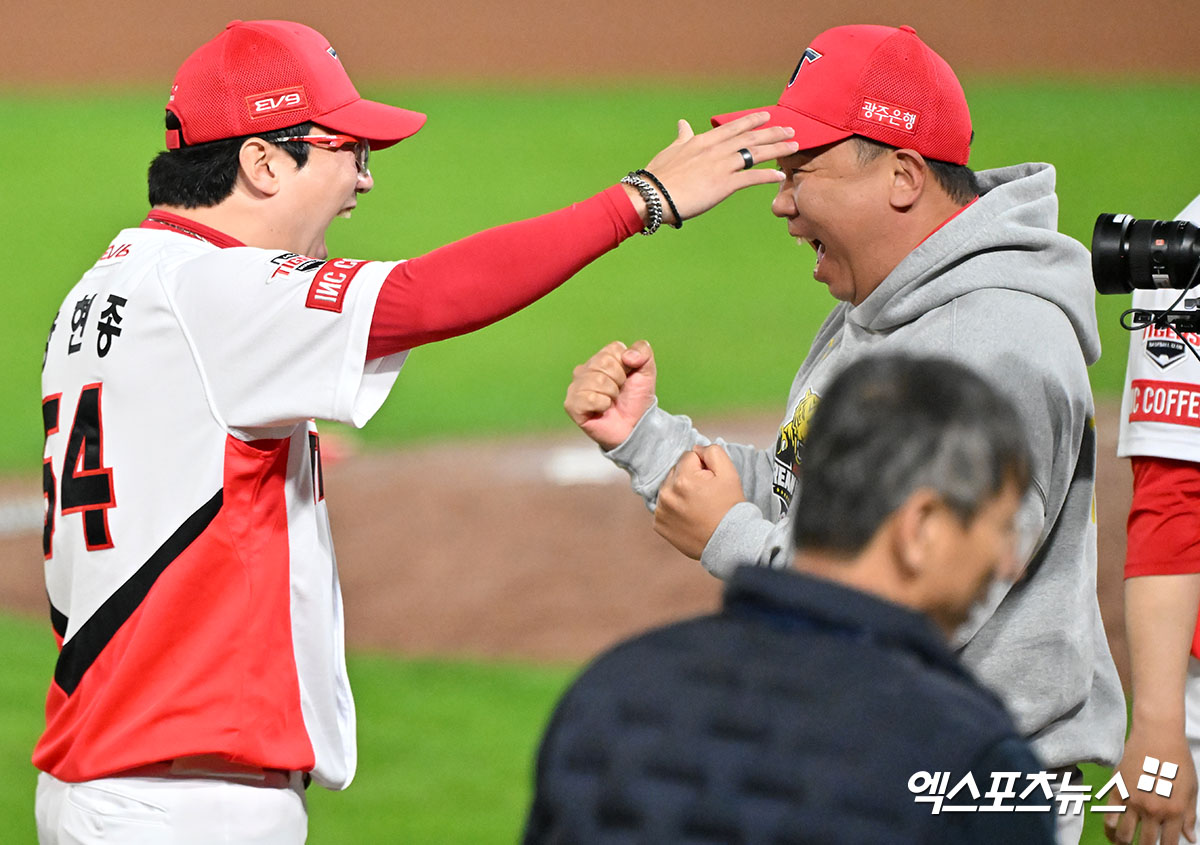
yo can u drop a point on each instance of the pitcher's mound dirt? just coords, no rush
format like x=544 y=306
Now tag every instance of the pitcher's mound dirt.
x=471 y=550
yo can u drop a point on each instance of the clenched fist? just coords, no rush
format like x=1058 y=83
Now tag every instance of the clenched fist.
x=611 y=391
x=695 y=497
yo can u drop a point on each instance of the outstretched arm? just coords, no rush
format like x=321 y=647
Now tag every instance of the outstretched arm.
x=478 y=280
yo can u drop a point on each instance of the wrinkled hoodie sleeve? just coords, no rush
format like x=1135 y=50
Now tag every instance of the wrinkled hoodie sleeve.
x=1000 y=290
x=744 y=535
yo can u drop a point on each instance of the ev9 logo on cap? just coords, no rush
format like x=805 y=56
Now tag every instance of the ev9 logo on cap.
x=275 y=102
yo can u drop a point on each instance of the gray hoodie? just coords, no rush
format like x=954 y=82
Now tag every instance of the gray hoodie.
x=1000 y=290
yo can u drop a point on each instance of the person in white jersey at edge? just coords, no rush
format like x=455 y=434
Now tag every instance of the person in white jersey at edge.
x=201 y=679
x=1160 y=433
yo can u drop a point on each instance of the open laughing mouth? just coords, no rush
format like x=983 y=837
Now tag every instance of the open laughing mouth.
x=818 y=247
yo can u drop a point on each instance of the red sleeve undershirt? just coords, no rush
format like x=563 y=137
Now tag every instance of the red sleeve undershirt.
x=1163 y=534
x=478 y=280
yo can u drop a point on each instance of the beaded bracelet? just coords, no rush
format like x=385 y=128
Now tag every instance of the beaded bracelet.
x=653 y=203
x=678 y=224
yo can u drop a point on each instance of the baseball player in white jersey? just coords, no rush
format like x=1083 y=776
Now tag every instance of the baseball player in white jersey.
x=1160 y=432
x=201 y=680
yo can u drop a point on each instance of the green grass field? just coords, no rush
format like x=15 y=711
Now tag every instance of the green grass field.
x=728 y=302
x=445 y=748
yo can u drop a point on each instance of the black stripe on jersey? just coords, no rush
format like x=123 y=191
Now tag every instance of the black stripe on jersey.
x=50 y=413
x=58 y=621
x=81 y=651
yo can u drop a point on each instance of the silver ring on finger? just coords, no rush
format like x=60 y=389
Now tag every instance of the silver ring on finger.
x=747 y=159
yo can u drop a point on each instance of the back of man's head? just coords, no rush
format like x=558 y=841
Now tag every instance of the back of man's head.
x=889 y=426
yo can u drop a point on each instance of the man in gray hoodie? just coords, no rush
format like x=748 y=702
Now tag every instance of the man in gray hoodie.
x=928 y=258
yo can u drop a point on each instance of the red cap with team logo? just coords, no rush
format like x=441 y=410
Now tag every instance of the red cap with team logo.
x=258 y=76
x=881 y=82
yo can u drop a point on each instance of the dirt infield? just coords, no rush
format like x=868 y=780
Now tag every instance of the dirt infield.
x=524 y=566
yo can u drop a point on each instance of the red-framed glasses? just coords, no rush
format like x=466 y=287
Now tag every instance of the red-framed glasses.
x=360 y=146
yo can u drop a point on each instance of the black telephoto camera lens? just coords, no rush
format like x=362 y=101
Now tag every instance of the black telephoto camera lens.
x=1143 y=254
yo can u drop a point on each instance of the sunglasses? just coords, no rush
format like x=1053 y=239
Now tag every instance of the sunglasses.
x=360 y=146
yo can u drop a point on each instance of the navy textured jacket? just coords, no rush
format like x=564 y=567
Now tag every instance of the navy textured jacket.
x=797 y=714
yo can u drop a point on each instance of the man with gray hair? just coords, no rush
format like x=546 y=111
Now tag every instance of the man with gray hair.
x=823 y=703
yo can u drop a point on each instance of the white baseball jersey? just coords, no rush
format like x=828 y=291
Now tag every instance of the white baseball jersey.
x=189 y=566
x=1160 y=408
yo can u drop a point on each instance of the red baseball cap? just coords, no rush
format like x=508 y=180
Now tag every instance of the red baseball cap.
x=258 y=76
x=881 y=82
